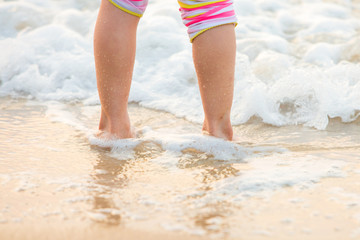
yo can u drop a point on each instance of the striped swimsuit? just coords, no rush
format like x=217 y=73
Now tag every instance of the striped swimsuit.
x=197 y=15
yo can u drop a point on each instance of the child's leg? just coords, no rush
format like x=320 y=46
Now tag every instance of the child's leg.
x=214 y=58
x=211 y=29
x=114 y=49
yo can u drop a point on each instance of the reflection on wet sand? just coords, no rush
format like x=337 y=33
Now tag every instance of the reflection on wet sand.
x=102 y=192
x=213 y=169
x=111 y=174
x=212 y=217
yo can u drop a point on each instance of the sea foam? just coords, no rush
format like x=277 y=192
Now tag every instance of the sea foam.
x=297 y=63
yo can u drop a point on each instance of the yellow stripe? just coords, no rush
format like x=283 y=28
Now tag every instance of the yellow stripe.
x=192 y=39
x=194 y=16
x=184 y=5
x=126 y=10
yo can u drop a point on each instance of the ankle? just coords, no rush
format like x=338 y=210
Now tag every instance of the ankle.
x=116 y=126
x=220 y=128
x=117 y=131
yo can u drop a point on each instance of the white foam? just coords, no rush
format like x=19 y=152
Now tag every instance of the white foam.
x=266 y=175
x=78 y=199
x=303 y=56
x=98 y=217
x=174 y=145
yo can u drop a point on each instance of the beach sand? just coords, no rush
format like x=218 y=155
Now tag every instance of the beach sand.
x=55 y=185
x=294 y=173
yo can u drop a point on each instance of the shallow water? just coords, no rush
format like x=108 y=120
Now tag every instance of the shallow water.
x=276 y=182
x=294 y=173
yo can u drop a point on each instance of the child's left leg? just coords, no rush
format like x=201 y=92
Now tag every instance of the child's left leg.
x=211 y=29
x=214 y=58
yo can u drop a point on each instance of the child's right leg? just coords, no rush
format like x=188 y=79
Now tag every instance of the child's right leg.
x=114 y=50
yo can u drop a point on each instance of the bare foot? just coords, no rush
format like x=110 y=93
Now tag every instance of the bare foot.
x=220 y=130
x=105 y=135
x=115 y=128
x=236 y=139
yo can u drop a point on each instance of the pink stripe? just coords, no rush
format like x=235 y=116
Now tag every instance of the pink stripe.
x=217 y=9
x=206 y=6
x=136 y=5
x=221 y=15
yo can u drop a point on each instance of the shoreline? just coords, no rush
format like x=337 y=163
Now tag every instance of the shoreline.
x=55 y=185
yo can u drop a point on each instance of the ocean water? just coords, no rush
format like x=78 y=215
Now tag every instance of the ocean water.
x=296 y=111
x=297 y=61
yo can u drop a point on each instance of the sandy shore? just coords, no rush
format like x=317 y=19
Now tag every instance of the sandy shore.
x=77 y=230
x=55 y=185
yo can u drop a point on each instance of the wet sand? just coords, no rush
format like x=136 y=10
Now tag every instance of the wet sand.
x=55 y=185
